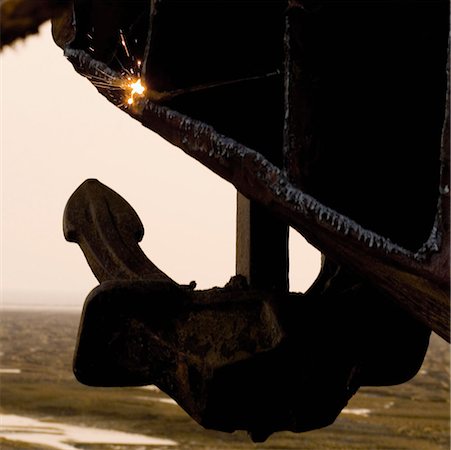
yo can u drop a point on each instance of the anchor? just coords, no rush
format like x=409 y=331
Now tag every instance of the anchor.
x=359 y=120
x=249 y=356
x=321 y=123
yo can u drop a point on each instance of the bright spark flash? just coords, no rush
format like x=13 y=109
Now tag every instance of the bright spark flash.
x=136 y=89
x=124 y=43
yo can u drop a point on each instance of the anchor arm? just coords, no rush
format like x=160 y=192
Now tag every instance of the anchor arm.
x=108 y=230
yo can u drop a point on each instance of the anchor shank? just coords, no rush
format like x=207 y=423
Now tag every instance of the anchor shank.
x=261 y=246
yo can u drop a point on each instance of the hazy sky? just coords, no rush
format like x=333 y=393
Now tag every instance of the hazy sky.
x=56 y=132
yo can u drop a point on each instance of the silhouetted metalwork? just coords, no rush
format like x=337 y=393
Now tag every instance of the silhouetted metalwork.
x=236 y=357
x=330 y=117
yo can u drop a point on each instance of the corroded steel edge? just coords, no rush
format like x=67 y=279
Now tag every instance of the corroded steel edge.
x=418 y=280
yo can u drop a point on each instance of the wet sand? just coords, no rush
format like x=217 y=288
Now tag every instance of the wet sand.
x=38 y=385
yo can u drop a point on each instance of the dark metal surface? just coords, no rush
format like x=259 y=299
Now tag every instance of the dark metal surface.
x=331 y=117
x=369 y=186
x=217 y=351
x=21 y=18
x=108 y=231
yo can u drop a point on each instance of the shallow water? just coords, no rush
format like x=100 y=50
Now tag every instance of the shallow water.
x=61 y=436
x=364 y=412
x=10 y=371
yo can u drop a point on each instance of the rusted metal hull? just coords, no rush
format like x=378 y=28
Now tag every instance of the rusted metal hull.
x=330 y=117
x=399 y=240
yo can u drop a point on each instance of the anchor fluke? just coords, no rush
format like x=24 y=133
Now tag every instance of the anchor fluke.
x=108 y=231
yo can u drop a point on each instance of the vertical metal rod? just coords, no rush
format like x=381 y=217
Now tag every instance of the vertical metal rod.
x=262 y=247
x=262 y=239
x=297 y=132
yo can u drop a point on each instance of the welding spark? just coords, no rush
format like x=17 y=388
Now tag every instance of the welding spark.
x=124 y=43
x=129 y=80
x=137 y=88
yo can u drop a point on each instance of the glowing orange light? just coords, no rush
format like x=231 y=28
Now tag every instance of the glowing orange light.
x=137 y=88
